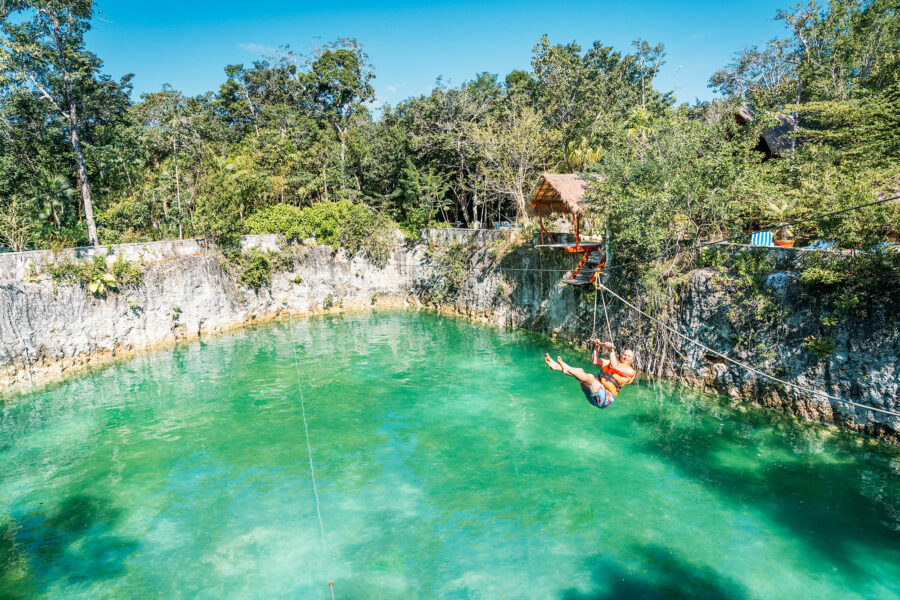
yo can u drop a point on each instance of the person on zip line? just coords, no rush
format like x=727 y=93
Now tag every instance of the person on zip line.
x=601 y=391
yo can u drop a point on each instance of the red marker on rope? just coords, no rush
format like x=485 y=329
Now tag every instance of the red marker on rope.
x=331 y=586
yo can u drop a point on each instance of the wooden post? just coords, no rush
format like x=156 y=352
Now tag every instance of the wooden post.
x=541 y=222
x=577 y=241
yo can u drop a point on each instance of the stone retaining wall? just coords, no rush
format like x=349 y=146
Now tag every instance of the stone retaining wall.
x=18 y=265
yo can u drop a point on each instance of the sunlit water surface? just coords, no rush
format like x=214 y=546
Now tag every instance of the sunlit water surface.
x=450 y=464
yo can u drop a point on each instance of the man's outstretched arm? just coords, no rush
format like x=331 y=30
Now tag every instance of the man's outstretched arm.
x=595 y=355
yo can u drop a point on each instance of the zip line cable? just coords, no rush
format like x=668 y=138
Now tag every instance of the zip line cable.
x=770 y=228
x=744 y=365
x=704 y=244
x=605 y=313
x=312 y=469
x=719 y=241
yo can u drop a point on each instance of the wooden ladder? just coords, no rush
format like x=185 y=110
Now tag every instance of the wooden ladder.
x=590 y=264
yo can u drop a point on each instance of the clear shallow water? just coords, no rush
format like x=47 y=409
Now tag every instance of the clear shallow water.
x=451 y=463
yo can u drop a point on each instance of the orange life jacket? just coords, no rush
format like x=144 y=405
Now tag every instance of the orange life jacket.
x=612 y=381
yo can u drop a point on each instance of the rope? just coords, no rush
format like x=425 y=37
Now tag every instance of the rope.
x=312 y=468
x=599 y=286
x=744 y=365
x=741 y=235
x=723 y=240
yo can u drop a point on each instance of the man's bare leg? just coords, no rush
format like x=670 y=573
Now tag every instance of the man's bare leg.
x=577 y=373
x=554 y=366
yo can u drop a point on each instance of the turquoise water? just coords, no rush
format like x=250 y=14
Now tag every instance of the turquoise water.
x=451 y=463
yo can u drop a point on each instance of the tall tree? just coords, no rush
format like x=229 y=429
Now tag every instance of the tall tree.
x=649 y=59
x=43 y=51
x=170 y=119
x=339 y=86
x=514 y=146
x=561 y=84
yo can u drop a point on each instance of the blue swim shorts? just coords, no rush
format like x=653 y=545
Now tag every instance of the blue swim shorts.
x=601 y=399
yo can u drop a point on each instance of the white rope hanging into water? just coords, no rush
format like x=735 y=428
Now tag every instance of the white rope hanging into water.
x=744 y=365
x=312 y=468
x=605 y=312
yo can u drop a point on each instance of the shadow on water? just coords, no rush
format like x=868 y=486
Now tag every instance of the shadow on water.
x=656 y=573
x=832 y=492
x=71 y=544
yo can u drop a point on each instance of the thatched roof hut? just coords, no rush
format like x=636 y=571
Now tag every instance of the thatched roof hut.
x=560 y=193
x=776 y=140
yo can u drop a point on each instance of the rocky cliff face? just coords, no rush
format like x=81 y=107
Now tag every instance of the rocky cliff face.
x=48 y=329
x=856 y=358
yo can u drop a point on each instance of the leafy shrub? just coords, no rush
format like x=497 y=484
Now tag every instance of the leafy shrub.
x=821 y=347
x=356 y=227
x=821 y=276
x=256 y=269
x=125 y=221
x=91 y=274
x=854 y=283
x=285 y=219
x=127 y=273
x=451 y=268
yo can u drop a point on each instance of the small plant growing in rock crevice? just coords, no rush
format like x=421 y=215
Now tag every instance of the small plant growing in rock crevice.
x=95 y=276
x=254 y=268
x=822 y=347
x=127 y=273
x=451 y=269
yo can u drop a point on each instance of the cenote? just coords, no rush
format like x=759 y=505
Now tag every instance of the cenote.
x=450 y=463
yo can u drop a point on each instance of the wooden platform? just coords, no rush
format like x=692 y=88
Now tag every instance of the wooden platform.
x=573 y=246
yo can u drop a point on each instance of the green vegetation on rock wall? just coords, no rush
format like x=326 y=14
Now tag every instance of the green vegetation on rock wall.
x=289 y=145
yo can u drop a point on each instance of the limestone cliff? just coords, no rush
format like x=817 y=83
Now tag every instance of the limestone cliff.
x=49 y=328
x=855 y=358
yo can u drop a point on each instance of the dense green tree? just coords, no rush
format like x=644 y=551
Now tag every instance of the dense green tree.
x=837 y=51
x=338 y=86
x=43 y=53
x=419 y=196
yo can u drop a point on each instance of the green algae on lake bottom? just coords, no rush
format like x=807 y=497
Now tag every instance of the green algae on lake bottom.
x=451 y=463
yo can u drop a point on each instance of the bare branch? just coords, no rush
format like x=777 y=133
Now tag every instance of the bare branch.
x=45 y=93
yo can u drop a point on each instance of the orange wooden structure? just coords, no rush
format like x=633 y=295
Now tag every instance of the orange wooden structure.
x=562 y=194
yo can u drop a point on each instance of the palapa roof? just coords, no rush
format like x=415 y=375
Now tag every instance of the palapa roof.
x=780 y=139
x=776 y=140
x=560 y=193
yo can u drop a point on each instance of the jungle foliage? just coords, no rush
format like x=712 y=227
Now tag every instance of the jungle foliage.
x=292 y=144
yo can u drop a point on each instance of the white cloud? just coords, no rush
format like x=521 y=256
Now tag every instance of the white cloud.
x=257 y=48
x=391 y=89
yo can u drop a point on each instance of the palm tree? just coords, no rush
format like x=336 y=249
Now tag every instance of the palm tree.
x=55 y=191
x=582 y=154
x=781 y=213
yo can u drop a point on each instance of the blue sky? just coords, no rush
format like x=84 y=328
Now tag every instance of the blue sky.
x=410 y=44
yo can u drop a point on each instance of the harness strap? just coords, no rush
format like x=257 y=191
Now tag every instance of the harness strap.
x=603 y=375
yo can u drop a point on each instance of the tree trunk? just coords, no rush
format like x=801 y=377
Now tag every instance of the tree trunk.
x=177 y=189
x=74 y=137
x=83 y=178
x=343 y=136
